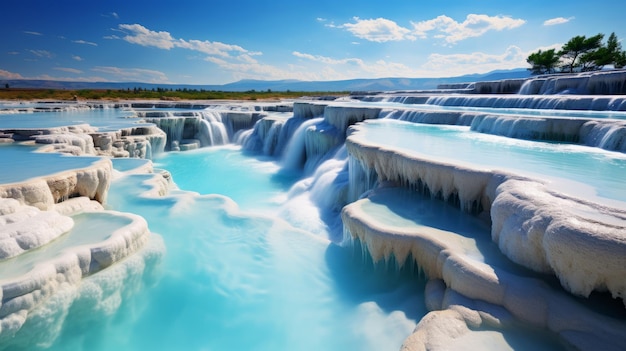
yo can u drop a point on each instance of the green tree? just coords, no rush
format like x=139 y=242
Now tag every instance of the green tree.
x=605 y=55
x=620 y=59
x=577 y=47
x=616 y=55
x=543 y=62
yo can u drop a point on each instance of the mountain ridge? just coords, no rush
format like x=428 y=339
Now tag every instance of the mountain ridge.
x=359 y=84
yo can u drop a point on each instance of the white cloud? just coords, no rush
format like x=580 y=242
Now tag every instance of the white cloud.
x=246 y=58
x=84 y=42
x=378 y=30
x=473 y=26
x=143 y=36
x=476 y=62
x=42 y=53
x=229 y=57
x=133 y=74
x=210 y=48
x=111 y=14
x=32 y=33
x=69 y=70
x=138 y=34
x=10 y=75
x=327 y=60
x=442 y=27
x=253 y=70
x=557 y=20
x=349 y=68
x=77 y=58
x=437 y=65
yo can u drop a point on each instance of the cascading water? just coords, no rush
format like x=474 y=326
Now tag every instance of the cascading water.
x=296 y=153
x=213 y=131
x=238 y=232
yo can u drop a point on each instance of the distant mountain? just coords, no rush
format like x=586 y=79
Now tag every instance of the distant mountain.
x=378 y=84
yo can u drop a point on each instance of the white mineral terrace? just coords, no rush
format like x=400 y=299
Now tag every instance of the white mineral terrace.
x=91 y=240
x=470 y=280
x=66 y=177
x=515 y=214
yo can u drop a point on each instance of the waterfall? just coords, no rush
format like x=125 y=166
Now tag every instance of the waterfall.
x=212 y=130
x=606 y=135
x=430 y=117
x=590 y=83
x=542 y=102
x=362 y=179
x=271 y=140
x=318 y=199
x=173 y=128
x=264 y=137
x=295 y=156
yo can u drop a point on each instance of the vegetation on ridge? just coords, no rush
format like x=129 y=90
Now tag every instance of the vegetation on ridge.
x=579 y=54
x=153 y=94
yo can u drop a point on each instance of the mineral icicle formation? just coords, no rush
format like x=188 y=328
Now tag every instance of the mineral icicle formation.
x=501 y=247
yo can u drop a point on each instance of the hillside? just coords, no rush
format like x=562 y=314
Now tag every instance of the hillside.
x=279 y=85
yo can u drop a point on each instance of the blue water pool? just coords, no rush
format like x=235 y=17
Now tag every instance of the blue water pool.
x=237 y=280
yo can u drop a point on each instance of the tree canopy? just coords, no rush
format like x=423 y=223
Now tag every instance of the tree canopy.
x=579 y=54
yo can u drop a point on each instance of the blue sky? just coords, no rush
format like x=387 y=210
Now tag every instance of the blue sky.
x=217 y=42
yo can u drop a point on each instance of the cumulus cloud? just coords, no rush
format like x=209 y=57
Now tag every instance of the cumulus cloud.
x=138 y=34
x=210 y=48
x=473 y=26
x=10 y=75
x=229 y=57
x=143 y=36
x=442 y=27
x=76 y=58
x=437 y=65
x=378 y=30
x=557 y=20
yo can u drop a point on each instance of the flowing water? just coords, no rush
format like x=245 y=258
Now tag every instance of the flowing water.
x=252 y=257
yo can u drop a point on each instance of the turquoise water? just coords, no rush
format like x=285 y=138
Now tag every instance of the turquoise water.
x=128 y=164
x=238 y=276
x=105 y=117
x=238 y=280
x=252 y=183
x=570 y=168
x=23 y=164
x=88 y=230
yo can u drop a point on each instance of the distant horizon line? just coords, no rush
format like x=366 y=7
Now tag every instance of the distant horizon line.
x=259 y=80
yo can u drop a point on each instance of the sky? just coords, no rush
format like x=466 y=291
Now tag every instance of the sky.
x=218 y=42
